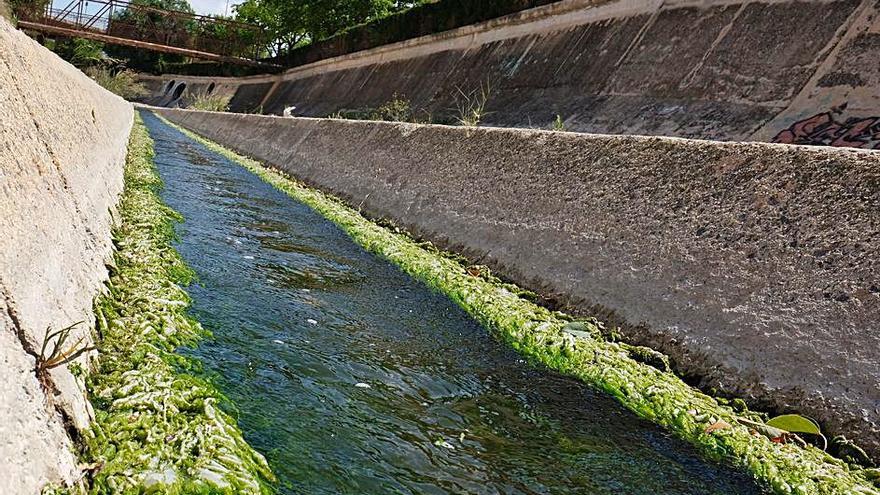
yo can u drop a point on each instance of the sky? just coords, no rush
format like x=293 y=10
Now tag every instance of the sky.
x=212 y=6
x=204 y=7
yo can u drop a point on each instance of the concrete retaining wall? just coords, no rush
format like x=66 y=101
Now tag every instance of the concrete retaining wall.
x=756 y=266
x=62 y=146
x=793 y=71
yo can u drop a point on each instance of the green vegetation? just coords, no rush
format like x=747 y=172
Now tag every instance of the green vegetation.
x=470 y=107
x=291 y=24
x=157 y=428
x=80 y=52
x=84 y=52
x=28 y=5
x=147 y=19
x=120 y=82
x=209 y=102
x=577 y=348
x=90 y=57
x=397 y=109
x=558 y=124
x=426 y=18
x=146 y=60
x=58 y=354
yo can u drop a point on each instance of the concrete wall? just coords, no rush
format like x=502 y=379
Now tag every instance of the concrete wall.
x=754 y=265
x=715 y=69
x=62 y=145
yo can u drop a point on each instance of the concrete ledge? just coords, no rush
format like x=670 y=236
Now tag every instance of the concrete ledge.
x=753 y=265
x=62 y=144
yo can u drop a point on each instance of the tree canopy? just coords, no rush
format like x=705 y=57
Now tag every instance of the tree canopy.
x=142 y=17
x=285 y=24
x=290 y=23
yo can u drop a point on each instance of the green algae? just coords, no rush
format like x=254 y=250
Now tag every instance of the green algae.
x=158 y=429
x=546 y=337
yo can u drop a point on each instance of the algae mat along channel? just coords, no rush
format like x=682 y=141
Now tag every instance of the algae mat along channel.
x=351 y=377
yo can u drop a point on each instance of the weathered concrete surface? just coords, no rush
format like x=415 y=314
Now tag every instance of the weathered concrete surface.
x=62 y=145
x=754 y=265
x=716 y=69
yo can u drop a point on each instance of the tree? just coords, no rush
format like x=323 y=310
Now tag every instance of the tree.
x=282 y=22
x=146 y=20
x=219 y=33
x=152 y=15
x=291 y=23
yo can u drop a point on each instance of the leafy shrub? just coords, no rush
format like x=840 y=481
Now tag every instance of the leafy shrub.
x=210 y=102
x=121 y=82
x=397 y=109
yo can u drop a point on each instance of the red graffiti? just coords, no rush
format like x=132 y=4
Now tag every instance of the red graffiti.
x=822 y=130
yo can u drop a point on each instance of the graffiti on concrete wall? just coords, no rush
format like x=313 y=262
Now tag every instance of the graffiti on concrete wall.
x=824 y=130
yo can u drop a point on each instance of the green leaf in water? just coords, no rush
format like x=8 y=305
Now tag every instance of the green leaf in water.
x=795 y=424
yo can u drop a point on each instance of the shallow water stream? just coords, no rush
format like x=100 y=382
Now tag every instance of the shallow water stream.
x=352 y=378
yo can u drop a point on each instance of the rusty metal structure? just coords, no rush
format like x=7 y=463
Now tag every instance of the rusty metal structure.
x=124 y=23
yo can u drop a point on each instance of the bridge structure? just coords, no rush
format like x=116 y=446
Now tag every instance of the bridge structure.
x=168 y=31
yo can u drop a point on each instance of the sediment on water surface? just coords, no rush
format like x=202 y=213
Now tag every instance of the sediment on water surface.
x=577 y=349
x=158 y=428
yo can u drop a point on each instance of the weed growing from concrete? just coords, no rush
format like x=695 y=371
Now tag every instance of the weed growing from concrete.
x=157 y=428
x=58 y=354
x=397 y=109
x=210 y=102
x=470 y=107
x=576 y=348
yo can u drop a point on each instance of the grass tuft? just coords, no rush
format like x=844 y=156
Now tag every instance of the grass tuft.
x=397 y=109
x=470 y=107
x=58 y=354
x=210 y=102
x=122 y=83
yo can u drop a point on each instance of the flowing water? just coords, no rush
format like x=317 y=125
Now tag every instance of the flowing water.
x=353 y=378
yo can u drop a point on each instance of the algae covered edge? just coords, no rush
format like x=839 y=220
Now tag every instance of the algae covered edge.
x=158 y=429
x=576 y=349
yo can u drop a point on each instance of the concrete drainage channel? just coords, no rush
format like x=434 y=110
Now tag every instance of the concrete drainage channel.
x=572 y=347
x=387 y=386
x=750 y=265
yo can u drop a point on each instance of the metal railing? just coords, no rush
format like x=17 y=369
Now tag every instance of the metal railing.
x=124 y=20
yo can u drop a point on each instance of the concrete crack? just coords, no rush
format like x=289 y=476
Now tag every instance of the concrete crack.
x=17 y=327
x=43 y=376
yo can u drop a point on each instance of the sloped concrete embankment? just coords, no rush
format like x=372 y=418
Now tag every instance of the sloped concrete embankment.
x=62 y=145
x=792 y=71
x=753 y=265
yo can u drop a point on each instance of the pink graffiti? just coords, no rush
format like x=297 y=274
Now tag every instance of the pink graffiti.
x=823 y=130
